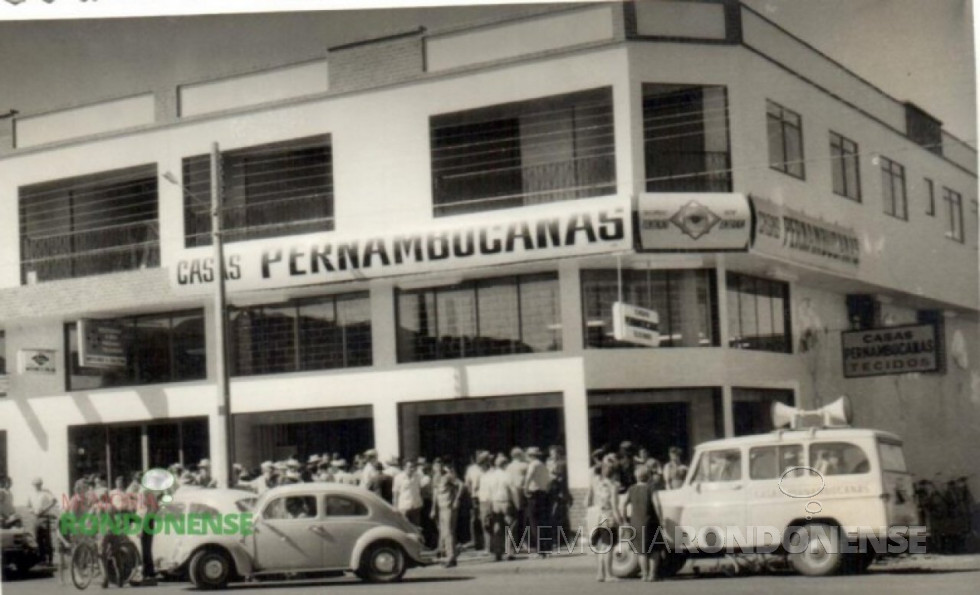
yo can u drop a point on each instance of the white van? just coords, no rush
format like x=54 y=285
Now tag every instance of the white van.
x=830 y=499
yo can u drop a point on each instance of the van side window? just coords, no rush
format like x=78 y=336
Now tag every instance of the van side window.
x=770 y=462
x=720 y=465
x=838 y=458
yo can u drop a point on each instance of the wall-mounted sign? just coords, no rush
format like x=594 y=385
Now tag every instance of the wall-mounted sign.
x=687 y=221
x=634 y=324
x=36 y=361
x=892 y=350
x=791 y=235
x=554 y=230
x=101 y=344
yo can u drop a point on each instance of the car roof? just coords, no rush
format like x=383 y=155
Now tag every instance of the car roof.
x=220 y=498
x=778 y=436
x=319 y=487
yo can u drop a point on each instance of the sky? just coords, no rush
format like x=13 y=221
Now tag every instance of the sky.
x=916 y=50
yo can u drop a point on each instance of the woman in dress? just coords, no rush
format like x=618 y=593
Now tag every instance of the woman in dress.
x=604 y=494
x=638 y=508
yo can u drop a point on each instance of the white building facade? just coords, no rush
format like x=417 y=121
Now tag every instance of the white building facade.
x=426 y=233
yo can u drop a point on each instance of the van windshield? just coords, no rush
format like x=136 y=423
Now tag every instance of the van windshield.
x=892 y=457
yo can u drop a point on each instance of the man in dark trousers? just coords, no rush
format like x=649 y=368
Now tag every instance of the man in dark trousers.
x=537 y=484
x=148 y=505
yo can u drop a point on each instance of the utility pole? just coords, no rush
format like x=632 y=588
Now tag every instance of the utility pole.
x=220 y=310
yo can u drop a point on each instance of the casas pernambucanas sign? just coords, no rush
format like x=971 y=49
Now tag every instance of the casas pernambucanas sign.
x=554 y=230
x=893 y=350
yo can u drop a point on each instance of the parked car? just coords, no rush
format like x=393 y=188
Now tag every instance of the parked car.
x=296 y=529
x=842 y=483
x=18 y=547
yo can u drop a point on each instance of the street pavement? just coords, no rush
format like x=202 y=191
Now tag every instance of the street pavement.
x=571 y=574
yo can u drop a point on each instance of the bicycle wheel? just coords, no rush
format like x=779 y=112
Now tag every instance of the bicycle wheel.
x=84 y=565
x=127 y=559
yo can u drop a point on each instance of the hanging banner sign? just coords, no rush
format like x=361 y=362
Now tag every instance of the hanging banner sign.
x=634 y=324
x=687 y=221
x=791 y=235
x=37 y=361
x=893 y=350
x=101 y=344
x=554 y=230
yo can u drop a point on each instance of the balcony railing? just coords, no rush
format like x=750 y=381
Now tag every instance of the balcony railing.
x=689 y=171
x=97 y=251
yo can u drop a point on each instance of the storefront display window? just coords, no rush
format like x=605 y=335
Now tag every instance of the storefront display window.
x=507 y=315
x=683 y=299
x=158 y=348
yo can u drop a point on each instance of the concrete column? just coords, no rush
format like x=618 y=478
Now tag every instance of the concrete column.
x=386 y=432
x=576 y=419
x=570 y=290
x=217 y=437
x=383 y=329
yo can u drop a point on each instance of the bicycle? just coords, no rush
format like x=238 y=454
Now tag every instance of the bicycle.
x=117 y=564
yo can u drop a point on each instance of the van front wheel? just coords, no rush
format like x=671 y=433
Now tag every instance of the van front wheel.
x=815 y=550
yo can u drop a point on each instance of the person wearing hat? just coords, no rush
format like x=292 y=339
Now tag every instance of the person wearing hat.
x=42 y=503
x=498 y=490
x=517 y=471
x=340 y=473
x=471 y=485
x=265 y=480
x=445 y=509
x=537 y=484
x=204 y=478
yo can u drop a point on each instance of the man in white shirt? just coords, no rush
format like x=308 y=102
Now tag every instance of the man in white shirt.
x=264 y=481
x=43 y=503
x=517 y=470
x=497 y=488
x=537 y=484
x=407 y=494
x=471 y=479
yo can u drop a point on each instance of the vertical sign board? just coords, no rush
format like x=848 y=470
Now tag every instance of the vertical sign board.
x=634 y=324
x=892 y=350
x=36 y=361
x=100 y=344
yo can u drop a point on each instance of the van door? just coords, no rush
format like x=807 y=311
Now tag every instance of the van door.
x=778 y=484
x=896 y=483
x=717 y=497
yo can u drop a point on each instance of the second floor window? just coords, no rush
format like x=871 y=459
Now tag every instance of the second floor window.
x=844 y=166
x=90 y=225
x=954 y=214
x=158 y=348
x=893 y=188
x=523 y=153
x=683 y=299
x=685 y=137
x=758 y=314
x=500 y=316
x=311 y=334
x=785 y=131
x=277 y=189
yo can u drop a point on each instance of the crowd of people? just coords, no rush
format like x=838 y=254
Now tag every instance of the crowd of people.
x=621 y=494
x=521 y=490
